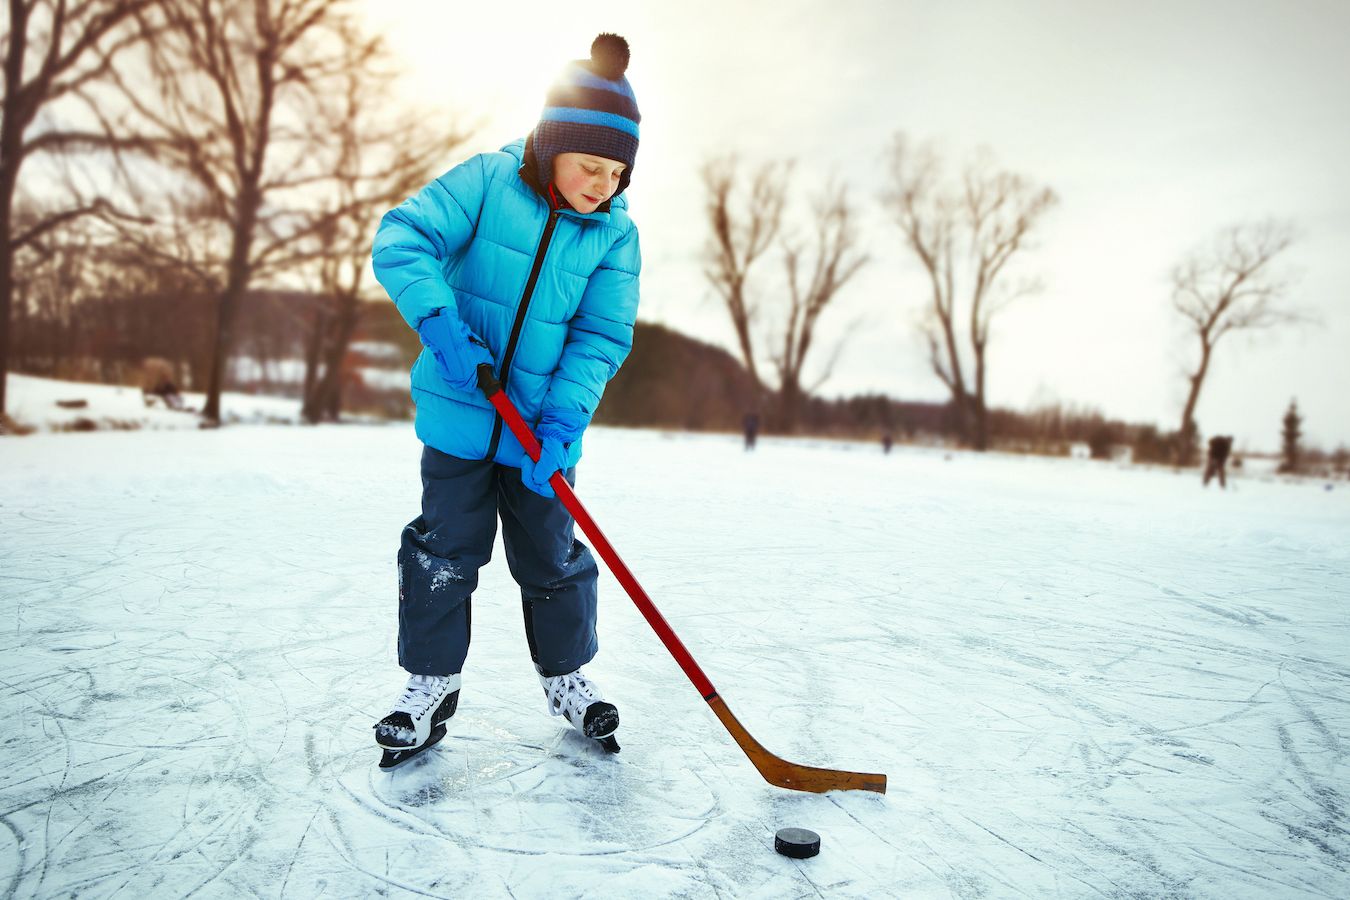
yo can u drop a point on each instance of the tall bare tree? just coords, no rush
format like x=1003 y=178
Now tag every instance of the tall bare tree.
x=232 y=112
x=1229 y=286
x=381 y=158
x=52 y=49
x=835 y=259
x=964 y=235
x=739 y=237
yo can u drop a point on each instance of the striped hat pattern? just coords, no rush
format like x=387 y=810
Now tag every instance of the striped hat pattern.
x=591 y=109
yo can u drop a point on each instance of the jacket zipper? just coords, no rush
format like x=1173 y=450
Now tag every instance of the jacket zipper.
x=520 y=323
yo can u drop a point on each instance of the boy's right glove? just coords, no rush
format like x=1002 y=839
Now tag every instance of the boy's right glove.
x=457 y=350
x=552 y=458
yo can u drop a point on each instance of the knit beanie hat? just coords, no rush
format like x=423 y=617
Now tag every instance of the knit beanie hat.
x=591 y=109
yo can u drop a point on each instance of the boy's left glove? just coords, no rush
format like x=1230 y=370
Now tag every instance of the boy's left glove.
x=558 y=430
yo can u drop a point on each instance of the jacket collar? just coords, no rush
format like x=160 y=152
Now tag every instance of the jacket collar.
x=555 y=198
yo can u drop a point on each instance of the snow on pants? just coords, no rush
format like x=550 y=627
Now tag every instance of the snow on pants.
x=443 y=549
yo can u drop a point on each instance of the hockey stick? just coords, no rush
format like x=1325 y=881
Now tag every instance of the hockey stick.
x=776 y=770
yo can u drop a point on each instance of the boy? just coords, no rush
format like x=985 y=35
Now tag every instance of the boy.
x=524 y=260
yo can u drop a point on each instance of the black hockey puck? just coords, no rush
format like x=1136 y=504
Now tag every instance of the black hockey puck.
x=797 y=843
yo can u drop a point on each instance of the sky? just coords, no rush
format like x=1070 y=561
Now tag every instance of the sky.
x=1157 y=124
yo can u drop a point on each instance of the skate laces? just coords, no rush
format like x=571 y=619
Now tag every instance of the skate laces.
x=422 y=692
x=570 y=695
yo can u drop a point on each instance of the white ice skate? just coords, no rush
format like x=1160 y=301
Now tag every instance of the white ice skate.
x=577 y=699
x=419 y=714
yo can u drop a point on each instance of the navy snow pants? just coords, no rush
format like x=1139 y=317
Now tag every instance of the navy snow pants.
x=443 y=549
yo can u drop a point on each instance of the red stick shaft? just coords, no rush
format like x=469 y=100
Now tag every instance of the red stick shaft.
x=511 y=416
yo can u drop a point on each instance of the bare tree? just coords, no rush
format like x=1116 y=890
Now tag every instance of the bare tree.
x=787 y=327
x=739 y=238
x=232 y=114
x=52 y=49
x=1230 y=286
x=380 y=160
x=836 y=260
x=964 y=236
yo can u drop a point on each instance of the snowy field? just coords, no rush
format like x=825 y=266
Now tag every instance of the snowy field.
x=1082 y=680
x=37 y=403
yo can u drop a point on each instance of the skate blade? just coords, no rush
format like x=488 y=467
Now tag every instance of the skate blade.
x=392 y=759
x=608 y=744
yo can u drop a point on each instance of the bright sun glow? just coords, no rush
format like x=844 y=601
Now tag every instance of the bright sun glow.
x=491 y=62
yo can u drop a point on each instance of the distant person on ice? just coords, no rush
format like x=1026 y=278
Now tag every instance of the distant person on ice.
x=1219 y=447
x=526 y=260
x=751 y=426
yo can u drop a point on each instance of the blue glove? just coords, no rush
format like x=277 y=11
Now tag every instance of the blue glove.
x=457 y=350
x=558 y=429
x=552 y=457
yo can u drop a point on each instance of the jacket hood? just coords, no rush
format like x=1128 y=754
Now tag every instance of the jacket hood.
x=517 y=149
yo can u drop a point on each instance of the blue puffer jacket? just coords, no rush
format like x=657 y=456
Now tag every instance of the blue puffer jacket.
x=553 y=294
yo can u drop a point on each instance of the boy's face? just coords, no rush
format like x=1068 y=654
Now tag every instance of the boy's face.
x=585 y=180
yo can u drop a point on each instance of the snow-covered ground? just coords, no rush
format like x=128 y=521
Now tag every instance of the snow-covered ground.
x=1081 y=680
x=49 y=404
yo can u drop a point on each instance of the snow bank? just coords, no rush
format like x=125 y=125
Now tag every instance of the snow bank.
x=38 y=403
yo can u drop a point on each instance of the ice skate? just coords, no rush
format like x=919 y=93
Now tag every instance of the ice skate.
x=577 y=699
x=418 y=719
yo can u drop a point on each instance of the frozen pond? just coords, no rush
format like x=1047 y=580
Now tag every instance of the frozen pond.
x=1081 y=680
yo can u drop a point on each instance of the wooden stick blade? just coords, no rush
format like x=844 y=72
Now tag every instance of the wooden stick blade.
x=781 y=773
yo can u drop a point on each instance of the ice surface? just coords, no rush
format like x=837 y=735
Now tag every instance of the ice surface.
x=1083 y=681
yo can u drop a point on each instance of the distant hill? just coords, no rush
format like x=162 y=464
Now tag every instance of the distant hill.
x=674 y=381
x=671 y=380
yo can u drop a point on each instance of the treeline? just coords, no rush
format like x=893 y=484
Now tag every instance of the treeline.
x=673 y=381
x=109 y=338
x=670 y=380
